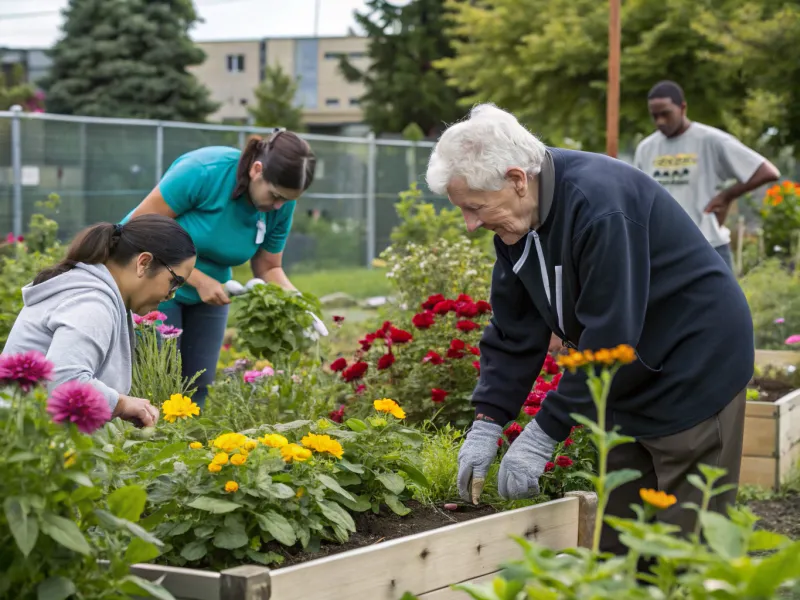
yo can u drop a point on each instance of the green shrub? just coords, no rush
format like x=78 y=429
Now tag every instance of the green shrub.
x=773 y=294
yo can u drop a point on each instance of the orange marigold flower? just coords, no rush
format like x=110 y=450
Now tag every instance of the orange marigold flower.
x=604 y=357
x=195 y=445
x=238 y=459
x=657 y=498
x=214 y=468
x=624 y=354
x=231 y=486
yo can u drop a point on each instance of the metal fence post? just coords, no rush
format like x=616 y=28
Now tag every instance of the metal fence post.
x=16 y=167
x=159 y=152
x=372 y=168
x=242 y=140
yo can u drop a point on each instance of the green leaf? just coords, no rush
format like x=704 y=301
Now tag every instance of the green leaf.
x=165 y=453
x=362 y=503
x=330 y=483
x=214 y=505
x=766 y=540
x=617 y=478
x=22 y=457
x=264 y=558
x=352 y=467
x=774 y=571
x=392 y=482
x=394 y=503
x=356 y=425
x=136 y=586
x=24 y=530
x=65 y=532
x=281 y=491
x=346 y=478
x=230 y=538
x=415 y=475
x=79 y=478
x=128 y=502
x=139 y=551
x=55 y=588
x=278 y=527
x=194 y=551
x=180 y=528
x=336 y=514
x=723 y=536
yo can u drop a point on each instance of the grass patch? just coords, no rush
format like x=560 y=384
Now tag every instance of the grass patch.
x=359 y=282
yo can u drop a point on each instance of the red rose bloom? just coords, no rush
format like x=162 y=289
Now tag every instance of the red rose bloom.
x=338 y=319
x=361 y=389
x=423 y=320
x=512 y=432
x=499 y=442
x=456 y=349
x=467 y=326
x=399 y=336
x=483 y=307
x=438 y=395
x=554 y=381
x=550 y=365
x=381 y=333
x=477 y=365
x=432 y=301
x=442 y=308
x=366 y=343
x=340 y=364
x=463 y=298
x=433 y=357
x=355 y=371
x=474 y=350
x=337 y=416
x=466 y=309
x=549 y=467
x=535 y=398
x=564 y=462
x=532 y=411
x=568 y=442
x=385 y=361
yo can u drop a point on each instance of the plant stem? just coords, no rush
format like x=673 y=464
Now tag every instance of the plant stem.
x=602 y=457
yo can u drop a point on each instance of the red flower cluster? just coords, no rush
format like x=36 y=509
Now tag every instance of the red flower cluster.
x=456 y=349
x=423 y=320
x=564 y=462
x=340 y=364
x=337 y=416
x=355 y=371
x=433 y=357
x=512 y=432
x=389 y=333
x=438 y=395
x=534 y=401
x=385 y=361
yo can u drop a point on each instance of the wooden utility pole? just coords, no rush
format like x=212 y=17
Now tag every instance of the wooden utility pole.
x=612 y=96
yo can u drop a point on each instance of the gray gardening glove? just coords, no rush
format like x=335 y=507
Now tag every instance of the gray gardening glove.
x=475 y=457
x=524 y=463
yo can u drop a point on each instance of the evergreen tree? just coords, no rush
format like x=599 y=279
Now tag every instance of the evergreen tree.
x=402 y=84
x=275 y=101
x=128 y=58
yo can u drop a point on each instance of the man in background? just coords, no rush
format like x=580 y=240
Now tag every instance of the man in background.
x=693 y=161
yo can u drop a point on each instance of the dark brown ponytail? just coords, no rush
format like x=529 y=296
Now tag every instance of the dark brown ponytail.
x=99 y=244
x=288 y=162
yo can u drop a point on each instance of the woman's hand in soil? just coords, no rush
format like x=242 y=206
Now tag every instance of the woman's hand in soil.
x=524 y=463
x=475 y=457
x=136 y=410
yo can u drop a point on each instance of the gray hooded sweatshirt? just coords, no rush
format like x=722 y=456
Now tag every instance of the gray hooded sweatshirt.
x=79 y=321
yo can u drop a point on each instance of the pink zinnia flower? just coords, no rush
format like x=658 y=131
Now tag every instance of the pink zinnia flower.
x=26 y=369
x=79 y=403
x=168 y=331
x=253 y=376
x=154 y=316
x=138 y=320
x=780 y=321
x=793 y=339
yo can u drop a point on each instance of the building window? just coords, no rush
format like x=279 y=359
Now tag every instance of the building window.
x=331 y=102
x=350 y=55
x=235 y=63
x=356 y=55
x=355 y=102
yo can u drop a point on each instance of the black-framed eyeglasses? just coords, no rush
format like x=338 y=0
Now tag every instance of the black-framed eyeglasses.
x=177 y=280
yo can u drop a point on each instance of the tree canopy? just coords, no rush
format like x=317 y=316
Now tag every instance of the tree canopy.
x=275 y=105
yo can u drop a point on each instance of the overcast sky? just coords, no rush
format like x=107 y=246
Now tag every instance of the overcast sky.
x=35 y=23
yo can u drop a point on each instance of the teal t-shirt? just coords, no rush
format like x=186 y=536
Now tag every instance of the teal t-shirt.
x=198 y=188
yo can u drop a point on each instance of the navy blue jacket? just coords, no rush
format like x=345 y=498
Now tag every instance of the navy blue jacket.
x=616 y=260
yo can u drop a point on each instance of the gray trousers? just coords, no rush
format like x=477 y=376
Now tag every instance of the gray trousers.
x=666 y=461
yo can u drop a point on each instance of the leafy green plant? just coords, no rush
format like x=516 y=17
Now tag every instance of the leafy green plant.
x=273 y=323
x=773 y=293
x=61 y=535
x=780 y=216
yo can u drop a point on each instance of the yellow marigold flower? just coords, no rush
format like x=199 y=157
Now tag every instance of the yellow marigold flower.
x=273 y=440
x=294 y=452
x=70 y=458
x=231 y=486
x=228 y=442
x=250 y=445
x=214 y=468
x=624 y=354
x=657 y=498
x=572 y=361
x=323 y=443
x=195 y=445
x=238 y=459
x=300 y=492
x=262 y=364
x=588 y=356
x=220 y=459
x=179 y=407
x=604 y=357
x=389 y=406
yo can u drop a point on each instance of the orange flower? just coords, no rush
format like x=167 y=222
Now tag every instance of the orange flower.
x=214 y=468
x=231 y=486
x=657 y=498
x=624 y=354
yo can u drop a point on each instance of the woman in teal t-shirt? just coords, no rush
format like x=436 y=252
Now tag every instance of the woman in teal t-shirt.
x=238 y=207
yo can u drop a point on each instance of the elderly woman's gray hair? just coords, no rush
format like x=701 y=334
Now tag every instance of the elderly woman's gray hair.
x=481 y=149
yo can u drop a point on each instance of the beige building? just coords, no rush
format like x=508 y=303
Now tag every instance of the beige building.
x=233 y=69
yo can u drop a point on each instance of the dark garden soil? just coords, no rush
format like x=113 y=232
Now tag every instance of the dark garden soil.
x=374 y=529
x=781 y=515
x=771 y=390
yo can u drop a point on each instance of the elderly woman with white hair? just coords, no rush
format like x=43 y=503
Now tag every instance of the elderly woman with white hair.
x=597 y=252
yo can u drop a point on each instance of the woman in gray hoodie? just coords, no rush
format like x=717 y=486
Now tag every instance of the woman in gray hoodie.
x=78 y=312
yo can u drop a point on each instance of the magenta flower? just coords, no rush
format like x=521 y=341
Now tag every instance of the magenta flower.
x=253 y=376
x=793 y=339
x=26 y=369
x=138 y=320
x=779 y=321
x=154 y=316
x=168 y=331
x=79 y=403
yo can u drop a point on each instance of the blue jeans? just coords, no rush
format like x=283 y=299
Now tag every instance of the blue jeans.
x=203 y=333
x=725 y=252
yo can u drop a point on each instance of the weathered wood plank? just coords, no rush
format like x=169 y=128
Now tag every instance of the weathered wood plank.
x=429 y=561
x=184 y=584
x=760 y=409
x=449 y=594
x=759 y=471
x=760 y=437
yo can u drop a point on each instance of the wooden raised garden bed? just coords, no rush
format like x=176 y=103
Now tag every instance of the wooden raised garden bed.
x=425 y=564
x=771 y=447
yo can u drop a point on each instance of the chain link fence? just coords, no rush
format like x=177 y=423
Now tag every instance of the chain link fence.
x=102 y=168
